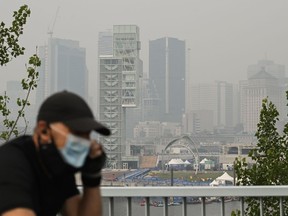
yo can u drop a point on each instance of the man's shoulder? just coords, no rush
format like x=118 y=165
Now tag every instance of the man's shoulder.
x=16 y=177
x=15 y=164
x=21 y=140
x=15 y=148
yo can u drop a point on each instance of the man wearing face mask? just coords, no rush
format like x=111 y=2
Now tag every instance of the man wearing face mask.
x=37 y=173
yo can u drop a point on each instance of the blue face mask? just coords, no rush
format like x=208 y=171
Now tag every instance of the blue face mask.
x=75 y=150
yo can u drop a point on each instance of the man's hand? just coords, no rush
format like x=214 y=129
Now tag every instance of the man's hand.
x=91 y=170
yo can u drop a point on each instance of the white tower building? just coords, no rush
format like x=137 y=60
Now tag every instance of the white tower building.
x=252 y=92
x=119 y=89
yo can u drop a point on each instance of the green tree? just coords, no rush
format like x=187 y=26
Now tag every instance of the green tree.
x=10 y=49
x=270 y=164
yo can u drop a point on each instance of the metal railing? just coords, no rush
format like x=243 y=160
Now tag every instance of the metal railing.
x=203 y=192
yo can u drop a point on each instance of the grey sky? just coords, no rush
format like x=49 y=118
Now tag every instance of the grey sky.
x=225 y=36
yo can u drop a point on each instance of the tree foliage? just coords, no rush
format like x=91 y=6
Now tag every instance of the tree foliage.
x=9 y=36
x=10 y=49
x=269 y=161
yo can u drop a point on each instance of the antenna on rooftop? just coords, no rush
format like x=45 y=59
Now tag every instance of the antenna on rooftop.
x=50 y=30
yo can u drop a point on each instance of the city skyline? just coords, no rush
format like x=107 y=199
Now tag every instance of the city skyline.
x=222 y=41
x=207 y=65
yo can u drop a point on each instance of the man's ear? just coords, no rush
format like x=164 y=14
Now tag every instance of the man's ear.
x=42 y=127
x=42 y=133
x=41 y=124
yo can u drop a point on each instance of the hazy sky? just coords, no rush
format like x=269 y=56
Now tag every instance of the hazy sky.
x=224 y=36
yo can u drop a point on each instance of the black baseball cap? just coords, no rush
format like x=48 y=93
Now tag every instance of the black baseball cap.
x=71 y=110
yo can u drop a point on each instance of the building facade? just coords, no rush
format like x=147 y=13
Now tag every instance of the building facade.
x=63 y=67
x=105 y=43
x=119 y=89
x=126 y=45
x=253 y=91
x=150 y=101
x=110 y=111
x=276 y=70
x=198 y=121
x=167 y=71
x=216 y=97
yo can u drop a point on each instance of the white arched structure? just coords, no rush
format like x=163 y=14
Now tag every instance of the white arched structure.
x=186 y=142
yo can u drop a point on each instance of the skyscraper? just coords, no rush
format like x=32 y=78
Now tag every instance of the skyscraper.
x=119 y=89
x=279 y=73
x=216 y=97
x=67 y=66
x=150 y=101
x=63 y=68
x=126 y=45
x=167 y=71
x=105 y=43
x=252 y=91
x=276 y=70
x=110 y=106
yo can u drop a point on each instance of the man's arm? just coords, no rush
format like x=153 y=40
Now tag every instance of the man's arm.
x=90 y=203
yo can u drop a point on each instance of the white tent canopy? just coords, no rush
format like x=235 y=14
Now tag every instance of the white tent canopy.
x=214 y=183
x=203 y=161
x=177 y=161
x=187 y=162
x=225 y=177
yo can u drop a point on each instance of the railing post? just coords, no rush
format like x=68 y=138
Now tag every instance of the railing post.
x=261 y=206
x=129 y=206
x=147 y=206
x=111 y=206
x=281 y=206
x=165 y=210
x=184 y=206
x=222 y=206
x=242 y=206
x=203 y=209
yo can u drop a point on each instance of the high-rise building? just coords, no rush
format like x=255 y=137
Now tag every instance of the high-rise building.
x=63 y=68
x=252 y=91
x=126 y=45
x=150 y=101
x=119 y=89
x=111 y=111
x=276 y=70
x=198 y=121
x=216 y=97
x=105 y=48
x=167 y=71
x=105 y=43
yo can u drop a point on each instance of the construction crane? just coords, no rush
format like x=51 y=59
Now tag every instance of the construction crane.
x=50 y=30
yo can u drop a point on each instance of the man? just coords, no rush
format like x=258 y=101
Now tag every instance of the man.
x=37 y=173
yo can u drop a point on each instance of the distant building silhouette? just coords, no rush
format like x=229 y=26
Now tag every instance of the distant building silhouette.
x=219 y=98
x=167 y=72
x=63 y=67
x=276 y=70
x=150 y=101
x=198 y=121
x=255 y=89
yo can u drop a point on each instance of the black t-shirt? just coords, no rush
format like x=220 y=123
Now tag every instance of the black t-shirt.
x=24 y=183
